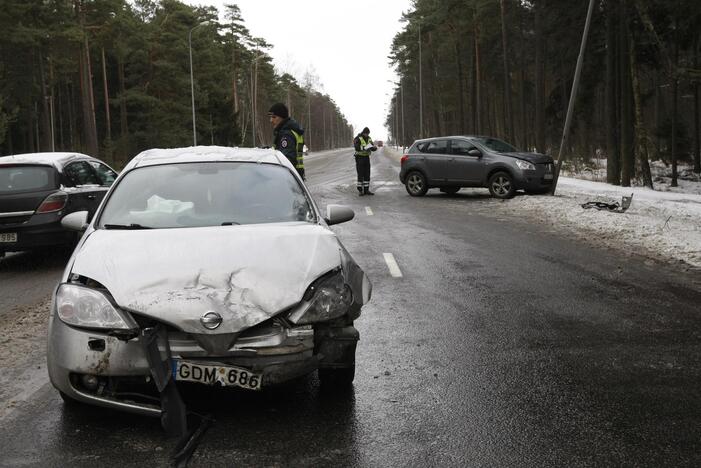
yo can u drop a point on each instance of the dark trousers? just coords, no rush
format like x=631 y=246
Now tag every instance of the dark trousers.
x=362 y=167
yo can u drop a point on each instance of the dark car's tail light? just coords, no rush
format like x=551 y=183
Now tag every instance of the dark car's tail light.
x=404 y=158
x=54 y=202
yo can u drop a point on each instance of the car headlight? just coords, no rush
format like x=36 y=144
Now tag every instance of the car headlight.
x=89 y=308
x=327 y=298
x=525 y=165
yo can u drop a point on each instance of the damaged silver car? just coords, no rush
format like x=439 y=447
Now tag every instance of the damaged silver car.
x=209 y=265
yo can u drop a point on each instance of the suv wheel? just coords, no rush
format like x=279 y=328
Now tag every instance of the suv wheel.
x=416 y=184
x=501 y=185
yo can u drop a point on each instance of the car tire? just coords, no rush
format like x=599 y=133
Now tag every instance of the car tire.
x=338 y=377
x=501 y=185
x=450 y=190
x=416 y=184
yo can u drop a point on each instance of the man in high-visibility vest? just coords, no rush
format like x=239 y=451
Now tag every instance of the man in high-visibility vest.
x=287 y=136
x=363 y=147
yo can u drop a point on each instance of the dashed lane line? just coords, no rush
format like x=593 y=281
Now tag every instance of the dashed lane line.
x=392 y=265
x=368 y=211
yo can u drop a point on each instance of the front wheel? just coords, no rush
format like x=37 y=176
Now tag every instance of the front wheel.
x=501 y=185
x=416 y=184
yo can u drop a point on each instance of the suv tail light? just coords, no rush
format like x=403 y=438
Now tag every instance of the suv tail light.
x=404 y=158
x=54 y=202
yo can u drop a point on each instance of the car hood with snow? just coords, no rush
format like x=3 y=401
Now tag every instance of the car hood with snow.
x=247 y=274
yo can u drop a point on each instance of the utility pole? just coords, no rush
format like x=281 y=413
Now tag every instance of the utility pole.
x=573 y=95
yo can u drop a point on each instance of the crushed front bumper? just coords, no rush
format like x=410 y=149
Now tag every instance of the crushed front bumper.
x=276 y=352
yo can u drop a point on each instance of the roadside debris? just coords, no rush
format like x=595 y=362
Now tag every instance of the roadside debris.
x=614 y=207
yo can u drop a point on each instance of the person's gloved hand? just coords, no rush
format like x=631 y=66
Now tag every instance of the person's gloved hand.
x=374 y=148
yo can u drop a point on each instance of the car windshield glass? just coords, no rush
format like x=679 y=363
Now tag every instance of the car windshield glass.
x=16 y=179
x=495 y=145
x=206 y=194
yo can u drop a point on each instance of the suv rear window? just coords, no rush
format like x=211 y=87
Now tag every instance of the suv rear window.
x=16 y=179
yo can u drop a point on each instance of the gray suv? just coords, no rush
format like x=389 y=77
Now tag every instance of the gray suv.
x=450 y=163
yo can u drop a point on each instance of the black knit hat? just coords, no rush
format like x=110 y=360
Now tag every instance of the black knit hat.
x=280 y=110
x=366 y=131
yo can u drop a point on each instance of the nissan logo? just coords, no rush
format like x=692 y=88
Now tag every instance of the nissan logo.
x=211 y=320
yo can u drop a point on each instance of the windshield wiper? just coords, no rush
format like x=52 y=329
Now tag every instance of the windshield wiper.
x=132 y=226
x=230 y=223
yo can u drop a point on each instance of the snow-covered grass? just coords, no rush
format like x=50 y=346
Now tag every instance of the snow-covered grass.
x=664 y=223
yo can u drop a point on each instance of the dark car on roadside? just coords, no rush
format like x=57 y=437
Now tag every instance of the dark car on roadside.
x=451 y=163
x=38 y=189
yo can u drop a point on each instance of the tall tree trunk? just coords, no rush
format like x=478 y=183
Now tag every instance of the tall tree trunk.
x=461 y=97
x=123 y=117
x=539 y=78
x=44 y=142
x=478 y=80
x=697 y=130
x=675 y=99
x=88 y=100
x=613 y=160
x=509 y=115
x=640 y=130
x=108 y=120
x=627 y=162
x=234 y=81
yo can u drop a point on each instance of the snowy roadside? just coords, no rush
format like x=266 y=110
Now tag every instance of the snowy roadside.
x=664 y=225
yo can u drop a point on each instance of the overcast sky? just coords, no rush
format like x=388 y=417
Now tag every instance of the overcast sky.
x=346 y=43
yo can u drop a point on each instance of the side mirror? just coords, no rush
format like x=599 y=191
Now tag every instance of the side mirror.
x=475 y=152
x=336 y=214
x=76 y=221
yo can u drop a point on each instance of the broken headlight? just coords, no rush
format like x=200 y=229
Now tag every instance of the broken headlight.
x=327 y=298
x=89 y=308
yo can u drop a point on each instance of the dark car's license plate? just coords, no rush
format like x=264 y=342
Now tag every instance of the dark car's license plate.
x=229 y=376
x=8 y=237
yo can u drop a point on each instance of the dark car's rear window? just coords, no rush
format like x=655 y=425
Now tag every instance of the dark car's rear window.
x=17 y=179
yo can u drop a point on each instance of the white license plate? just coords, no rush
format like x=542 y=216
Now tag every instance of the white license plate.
x=227 y=376
x=8 y=237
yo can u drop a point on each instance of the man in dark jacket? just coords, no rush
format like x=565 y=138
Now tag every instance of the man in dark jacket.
x=363 y=147
x=287 y=136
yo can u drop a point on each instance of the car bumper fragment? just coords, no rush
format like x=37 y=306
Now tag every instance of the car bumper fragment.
x=173 y=412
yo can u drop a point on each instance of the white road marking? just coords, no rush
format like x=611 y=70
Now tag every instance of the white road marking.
x=392 y=265
x=368 y=210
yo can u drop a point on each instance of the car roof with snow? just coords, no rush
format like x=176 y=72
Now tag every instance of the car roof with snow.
x=56 y=159
x=192 y=154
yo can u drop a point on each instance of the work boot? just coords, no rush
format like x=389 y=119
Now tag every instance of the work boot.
x=368 y=192
x=360 y=192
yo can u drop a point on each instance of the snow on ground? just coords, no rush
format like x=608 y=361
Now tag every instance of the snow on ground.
x=664 y=223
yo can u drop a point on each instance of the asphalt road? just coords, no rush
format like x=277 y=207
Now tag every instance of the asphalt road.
x=501 y=344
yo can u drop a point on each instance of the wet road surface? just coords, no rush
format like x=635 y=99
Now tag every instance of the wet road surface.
x=500 y=344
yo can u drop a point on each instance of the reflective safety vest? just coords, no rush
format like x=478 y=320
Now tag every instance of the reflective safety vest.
x=299 y=139
x=363 y=144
